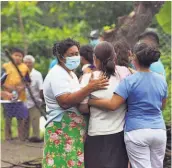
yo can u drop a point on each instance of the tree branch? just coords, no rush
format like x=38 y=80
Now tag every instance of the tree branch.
x=131 y=26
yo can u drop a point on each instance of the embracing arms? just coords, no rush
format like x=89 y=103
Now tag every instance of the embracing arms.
x=110 y=104
x=72 y=99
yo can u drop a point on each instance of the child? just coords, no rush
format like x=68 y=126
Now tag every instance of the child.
x=13 y=84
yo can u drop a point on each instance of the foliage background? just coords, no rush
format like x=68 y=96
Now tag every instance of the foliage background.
x=164 y=29
x=35 y=26
x=47 y=22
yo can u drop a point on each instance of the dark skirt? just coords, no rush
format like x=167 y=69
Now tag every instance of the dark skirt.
x=105 y=151
x=16 y=109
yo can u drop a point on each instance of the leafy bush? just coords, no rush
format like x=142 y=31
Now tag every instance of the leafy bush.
x=166 y=59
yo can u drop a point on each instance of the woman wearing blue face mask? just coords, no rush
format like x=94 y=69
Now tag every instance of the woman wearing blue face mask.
x=65 y=128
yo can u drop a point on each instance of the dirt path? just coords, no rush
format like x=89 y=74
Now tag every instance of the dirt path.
x=21 y=154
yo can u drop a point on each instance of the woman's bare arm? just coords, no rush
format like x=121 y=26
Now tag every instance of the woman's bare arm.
x=72 y=99
x=84 y=108
x=110 y=104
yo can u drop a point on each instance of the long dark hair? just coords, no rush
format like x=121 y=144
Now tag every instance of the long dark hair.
x=122 y=48
x=105 y=52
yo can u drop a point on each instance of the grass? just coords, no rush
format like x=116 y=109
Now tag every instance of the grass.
x=13 y=128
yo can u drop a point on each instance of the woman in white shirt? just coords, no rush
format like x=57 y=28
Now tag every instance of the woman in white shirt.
x=104 y=146
x=65 y=127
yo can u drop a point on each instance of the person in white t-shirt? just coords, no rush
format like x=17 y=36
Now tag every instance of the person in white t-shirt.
x=65 y=126
x=36 y=88
x=104 y=146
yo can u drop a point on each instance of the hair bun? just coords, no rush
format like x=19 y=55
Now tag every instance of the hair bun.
x=156 y=55
x=146 y=54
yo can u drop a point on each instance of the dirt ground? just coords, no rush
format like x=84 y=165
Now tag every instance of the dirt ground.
x=16 y=154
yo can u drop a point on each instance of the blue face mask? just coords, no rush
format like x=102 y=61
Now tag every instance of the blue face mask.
x=94 y=42
x=72 y=62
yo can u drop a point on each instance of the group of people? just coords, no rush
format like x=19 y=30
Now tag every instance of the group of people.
x=19 y=103
x=111 y=116
x=108 y=116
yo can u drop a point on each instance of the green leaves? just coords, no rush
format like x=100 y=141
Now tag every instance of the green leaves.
x=36 y=31
x=164 y=17
x=28 y=9
x=164 y=20
x=8 y=10
x=105 y=28
x=166 y=60
x=47 y=22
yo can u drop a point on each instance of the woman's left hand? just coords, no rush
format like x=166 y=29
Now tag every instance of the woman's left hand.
x=98 y=84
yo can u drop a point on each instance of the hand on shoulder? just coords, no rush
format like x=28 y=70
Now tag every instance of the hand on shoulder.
x=87 y=70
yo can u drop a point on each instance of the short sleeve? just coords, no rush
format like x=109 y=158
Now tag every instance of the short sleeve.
x=123 y=72
x=85 y=79
x=123 y=89
x=60 y=85
x=40 y=81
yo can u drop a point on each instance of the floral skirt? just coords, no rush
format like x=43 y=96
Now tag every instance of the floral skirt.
x=64 y=142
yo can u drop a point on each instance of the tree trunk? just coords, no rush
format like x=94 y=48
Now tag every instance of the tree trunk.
x=20 y=20
x=131 y=26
